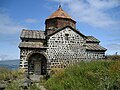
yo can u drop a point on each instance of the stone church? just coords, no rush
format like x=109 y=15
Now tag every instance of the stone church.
x=59 y=46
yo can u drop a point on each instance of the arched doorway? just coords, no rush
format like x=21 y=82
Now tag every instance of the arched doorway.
x=37 y=64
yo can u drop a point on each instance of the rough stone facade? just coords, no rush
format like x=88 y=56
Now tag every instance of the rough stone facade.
x=60 y=45
x=64 y=48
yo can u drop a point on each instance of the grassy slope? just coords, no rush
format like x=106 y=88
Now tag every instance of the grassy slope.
x=96 y=75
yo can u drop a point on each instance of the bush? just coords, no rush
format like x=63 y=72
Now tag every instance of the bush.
x=101 y=75
x=16 y=85
x=4 y=73
x=13 y=86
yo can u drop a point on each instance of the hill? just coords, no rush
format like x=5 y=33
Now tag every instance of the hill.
x=10 y=64
x=95 y=75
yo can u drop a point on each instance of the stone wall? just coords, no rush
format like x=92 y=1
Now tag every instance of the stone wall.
x=95 y=55
x=24 y=56
x=65 y=48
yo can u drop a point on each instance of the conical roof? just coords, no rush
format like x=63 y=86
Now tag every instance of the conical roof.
x=60 y=13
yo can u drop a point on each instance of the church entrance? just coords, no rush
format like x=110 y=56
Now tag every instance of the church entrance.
x=37 y=64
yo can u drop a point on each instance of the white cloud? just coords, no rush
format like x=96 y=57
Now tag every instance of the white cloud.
x=30 y=20
x=92 y=12
x=7 y=25
x=3 y=57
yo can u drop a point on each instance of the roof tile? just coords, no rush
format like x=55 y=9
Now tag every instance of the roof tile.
x=60 y=13
x=92 y=39
x=95 y=47
x=32 y=34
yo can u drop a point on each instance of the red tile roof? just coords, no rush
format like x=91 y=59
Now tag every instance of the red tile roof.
x=60 y=13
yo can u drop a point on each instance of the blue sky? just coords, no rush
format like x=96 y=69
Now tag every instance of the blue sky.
x=99 y=18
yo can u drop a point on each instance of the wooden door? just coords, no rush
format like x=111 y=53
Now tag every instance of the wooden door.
x=37 y=67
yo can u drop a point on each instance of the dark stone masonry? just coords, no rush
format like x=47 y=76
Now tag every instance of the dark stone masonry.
x=59 y=46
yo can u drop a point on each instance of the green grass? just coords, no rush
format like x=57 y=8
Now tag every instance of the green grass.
x=6 y=74
x=95 y=75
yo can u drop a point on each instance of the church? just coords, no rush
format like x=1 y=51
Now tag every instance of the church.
x=58 y=46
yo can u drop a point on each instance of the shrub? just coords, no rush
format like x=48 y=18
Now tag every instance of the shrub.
x=5 y=73
x=14 y=85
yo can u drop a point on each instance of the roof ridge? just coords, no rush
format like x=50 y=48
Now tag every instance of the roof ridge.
x=90 y=36
x=77 y=31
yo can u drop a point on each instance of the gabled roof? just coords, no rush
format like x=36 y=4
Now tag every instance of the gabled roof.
x=66 y=27
x=95 y=47
x=92 y=39
x=60 y=13
x=32 y=34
